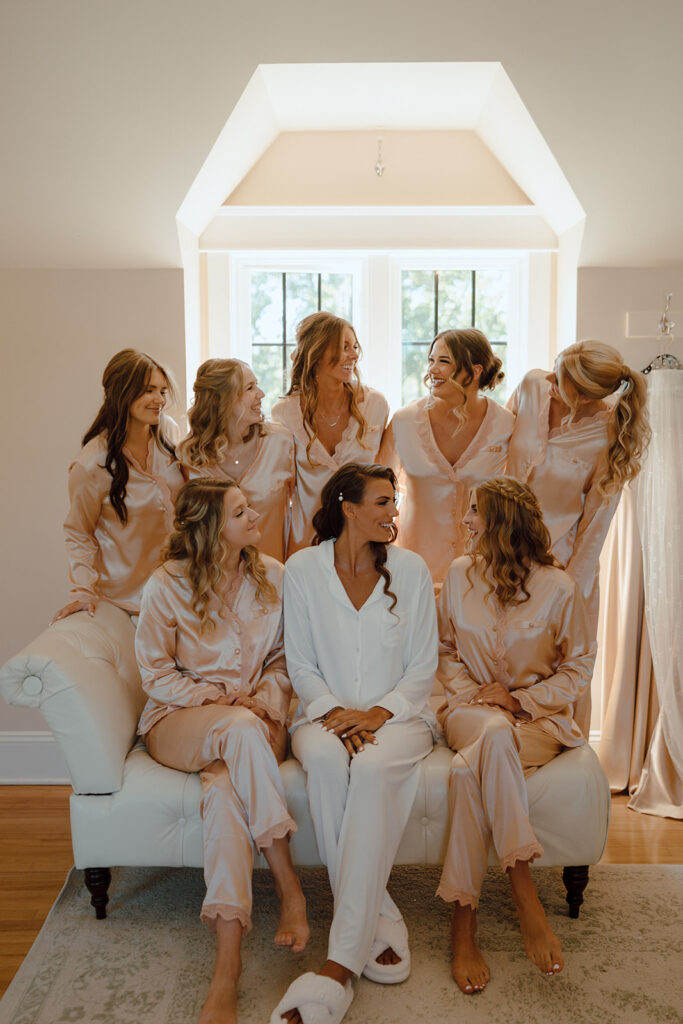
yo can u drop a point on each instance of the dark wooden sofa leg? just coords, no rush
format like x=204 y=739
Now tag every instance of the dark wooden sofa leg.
x=97 y=883
x=575 y=881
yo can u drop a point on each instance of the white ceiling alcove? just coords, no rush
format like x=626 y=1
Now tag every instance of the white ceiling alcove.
x=293 y=167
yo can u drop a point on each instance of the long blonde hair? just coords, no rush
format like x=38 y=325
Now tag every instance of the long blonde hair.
x=198 y=537
x=218 y=386
x=514 y=537
x=314 y=335
x=597 y=370
x=469 y=347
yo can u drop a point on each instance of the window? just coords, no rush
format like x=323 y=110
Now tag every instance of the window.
x=397 y=301
x=440 y=300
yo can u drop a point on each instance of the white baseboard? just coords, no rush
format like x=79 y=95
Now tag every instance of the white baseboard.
x=31 y=759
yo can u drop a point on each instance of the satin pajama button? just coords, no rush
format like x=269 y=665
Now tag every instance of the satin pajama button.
x=517 y=725
x=424 y=821
x=237 y=650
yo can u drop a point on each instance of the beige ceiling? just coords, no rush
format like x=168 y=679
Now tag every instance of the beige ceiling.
x=109 y=109
x=421 y=168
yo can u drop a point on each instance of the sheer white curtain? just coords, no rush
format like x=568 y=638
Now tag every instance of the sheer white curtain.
x=659 y=502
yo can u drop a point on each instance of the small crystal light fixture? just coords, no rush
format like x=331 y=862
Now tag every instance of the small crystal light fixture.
x=666 y=326
x=379 y=166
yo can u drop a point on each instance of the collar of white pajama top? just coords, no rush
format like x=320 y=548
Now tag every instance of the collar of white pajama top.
x=562 y=467
x=436 y=492
x=182 y=666
x=312 y=474
x=108 y=558
x=267 y=485
x=340 y=656
x=540 y=650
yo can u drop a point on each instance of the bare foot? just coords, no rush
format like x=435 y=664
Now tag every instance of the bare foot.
x=388 y=956
x=292 y=929
x=470 y=971
x=540 y=942
x=221 y=1003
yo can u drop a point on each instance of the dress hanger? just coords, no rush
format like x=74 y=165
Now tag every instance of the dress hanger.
x=665 y=360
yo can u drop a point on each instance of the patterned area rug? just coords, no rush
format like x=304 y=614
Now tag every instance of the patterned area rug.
x=151 y=959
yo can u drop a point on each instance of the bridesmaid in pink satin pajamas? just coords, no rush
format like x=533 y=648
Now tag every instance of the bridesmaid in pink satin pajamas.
x=579 y=436
x=442 y=446
x=515 y=654
x=332 y=417
x=121 y=488
x=211 y=653
x=229 y=440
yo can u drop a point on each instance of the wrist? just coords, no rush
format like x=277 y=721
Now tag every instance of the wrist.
x=385 y=714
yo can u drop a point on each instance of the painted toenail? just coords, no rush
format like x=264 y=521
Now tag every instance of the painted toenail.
x=556 y=967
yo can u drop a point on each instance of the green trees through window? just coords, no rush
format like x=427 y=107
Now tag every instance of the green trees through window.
x=439 y=300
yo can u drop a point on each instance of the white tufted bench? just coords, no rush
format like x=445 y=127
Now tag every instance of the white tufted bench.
x=128 y=810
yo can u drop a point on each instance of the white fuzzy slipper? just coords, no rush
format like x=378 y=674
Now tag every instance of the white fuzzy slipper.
x=392 y=934
x=319 y=1000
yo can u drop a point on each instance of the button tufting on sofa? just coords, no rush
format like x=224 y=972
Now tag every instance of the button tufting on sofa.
x=32 y=686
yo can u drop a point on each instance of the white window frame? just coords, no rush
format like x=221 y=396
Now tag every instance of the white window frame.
x=377 y=276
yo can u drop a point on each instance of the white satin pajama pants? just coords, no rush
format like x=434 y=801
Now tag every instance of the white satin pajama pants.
x=360 y=808
x=243 y=799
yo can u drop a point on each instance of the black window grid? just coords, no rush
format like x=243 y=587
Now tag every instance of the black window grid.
x=473 y=318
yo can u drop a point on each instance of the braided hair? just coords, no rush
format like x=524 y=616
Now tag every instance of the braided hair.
x=514 y=538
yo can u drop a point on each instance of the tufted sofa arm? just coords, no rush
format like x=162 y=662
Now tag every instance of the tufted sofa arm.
x=82 y=675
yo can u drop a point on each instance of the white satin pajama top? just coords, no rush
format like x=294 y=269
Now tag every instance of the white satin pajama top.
x=313 y=474
x=268 y=485
x=562 y=467
x=435 y=493
x=183 y=667
x=540 y=650
x=108 y=558
x=337 y=656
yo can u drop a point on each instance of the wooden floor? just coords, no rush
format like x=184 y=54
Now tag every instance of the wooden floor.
x=35 y=857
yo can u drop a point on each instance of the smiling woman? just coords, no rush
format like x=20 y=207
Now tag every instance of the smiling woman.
x=210 y=648
x=229 y=440
x=121 y=486
x=443 y=445
x=360 y=638
x=333 y=418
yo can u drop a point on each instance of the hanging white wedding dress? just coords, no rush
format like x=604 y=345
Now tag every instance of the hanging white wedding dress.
x=659 y=497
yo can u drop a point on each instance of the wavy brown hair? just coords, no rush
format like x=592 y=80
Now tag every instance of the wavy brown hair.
x=125 y=378
x=218 y=386
x=198 y=537
x=314 y=335
x=469 y=348
x=348 y=484
x=513 y=540
x=597 y=370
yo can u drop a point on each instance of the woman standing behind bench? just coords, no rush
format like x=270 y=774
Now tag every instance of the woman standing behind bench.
x=210 y=648
x=229 y=440
x=121 y=488
x=333 y=418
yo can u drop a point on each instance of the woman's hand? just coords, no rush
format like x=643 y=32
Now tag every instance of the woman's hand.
x=73 y=607
x=355 y=728
x=277 y=733
x=495 y=695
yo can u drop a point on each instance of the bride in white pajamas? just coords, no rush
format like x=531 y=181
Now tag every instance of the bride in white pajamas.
x=361 y=646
